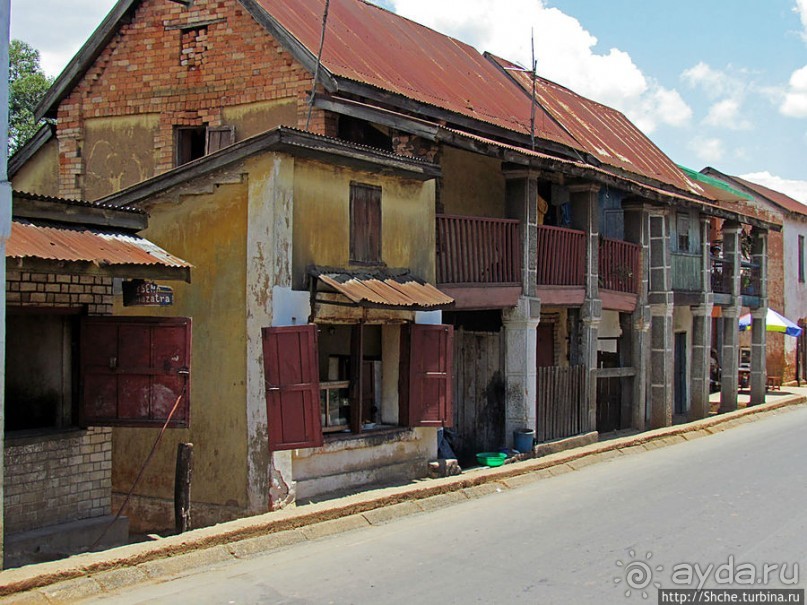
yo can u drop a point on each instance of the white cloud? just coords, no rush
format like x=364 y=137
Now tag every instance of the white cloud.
x=710 y=150
x=795 y=189
x=564 y=49
x=801 y=9
x=794 y=104
x=726 y=114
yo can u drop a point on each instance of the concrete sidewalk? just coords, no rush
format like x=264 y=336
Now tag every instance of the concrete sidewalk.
x=94 y=574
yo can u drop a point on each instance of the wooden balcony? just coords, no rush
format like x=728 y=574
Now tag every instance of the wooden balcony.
x=561 y=256
x=686 y=272
x=619 y=266
x=479 y=261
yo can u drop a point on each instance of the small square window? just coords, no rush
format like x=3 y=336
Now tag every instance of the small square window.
x=189 y=144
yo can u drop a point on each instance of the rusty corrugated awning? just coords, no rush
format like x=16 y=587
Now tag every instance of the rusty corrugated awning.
x=117 y=253
x=401 y=292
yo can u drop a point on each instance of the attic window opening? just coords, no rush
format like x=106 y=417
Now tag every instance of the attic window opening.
x=189 y=143
x=193 y=46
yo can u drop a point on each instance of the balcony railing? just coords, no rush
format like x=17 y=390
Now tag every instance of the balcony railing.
x=619 y=266
x=686 y=272
x=473 y=250
x=561 y=256
x=721 y=276
x=750 y=279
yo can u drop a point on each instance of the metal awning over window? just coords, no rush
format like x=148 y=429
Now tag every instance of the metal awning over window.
x=401 y=291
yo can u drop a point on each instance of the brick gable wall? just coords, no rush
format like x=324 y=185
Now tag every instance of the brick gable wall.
x=185 y=65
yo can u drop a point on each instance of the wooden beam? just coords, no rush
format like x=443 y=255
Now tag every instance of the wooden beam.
x=81 y=214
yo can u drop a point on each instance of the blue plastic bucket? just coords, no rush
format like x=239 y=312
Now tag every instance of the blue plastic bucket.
x=523 y=440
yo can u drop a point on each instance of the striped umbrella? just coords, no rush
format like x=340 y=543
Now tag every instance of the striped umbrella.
x=774 y=323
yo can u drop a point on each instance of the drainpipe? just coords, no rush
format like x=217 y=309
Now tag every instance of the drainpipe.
x=5 y=231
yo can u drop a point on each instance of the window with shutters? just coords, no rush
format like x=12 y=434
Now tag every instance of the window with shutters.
x=682 y=230
x=801 y=259
x=194 y=142
x=365 y=224
x=135 y=370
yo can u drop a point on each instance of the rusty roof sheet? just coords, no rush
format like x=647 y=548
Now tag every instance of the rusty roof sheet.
x=397 y=292
x=102 y=247
x=777 y=197
x=367 y=44
x=600 y=130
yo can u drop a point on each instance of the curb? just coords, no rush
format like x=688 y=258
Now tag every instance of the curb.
x=94 y=574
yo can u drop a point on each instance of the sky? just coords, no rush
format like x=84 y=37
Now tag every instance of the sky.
x=719 y=83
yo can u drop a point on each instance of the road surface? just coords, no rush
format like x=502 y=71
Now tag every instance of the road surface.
x=735 y=498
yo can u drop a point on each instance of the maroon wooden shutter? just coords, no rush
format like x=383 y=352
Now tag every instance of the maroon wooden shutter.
x=430 y=375
x=365 y=223
x=291 y=369
x=133 y=369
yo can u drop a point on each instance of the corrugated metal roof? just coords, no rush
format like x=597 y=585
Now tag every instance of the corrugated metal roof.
x=400 y=292
x=600 y=130
x=716 y=188
x=367 y=44
x=71 y=202
x=82 y=244
x=777 y=197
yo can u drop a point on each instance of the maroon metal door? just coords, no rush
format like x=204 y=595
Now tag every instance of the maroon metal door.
x=430 y=375
x=545 y=353
x=292 y=387
x=133 y=370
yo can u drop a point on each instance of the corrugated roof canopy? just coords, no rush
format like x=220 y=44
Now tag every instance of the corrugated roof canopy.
x=108 y=251
x=400 y=292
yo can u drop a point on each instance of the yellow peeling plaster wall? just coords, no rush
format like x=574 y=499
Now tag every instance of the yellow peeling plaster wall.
x=209 y=231
x=473 y=185
x=40 y=174
x=322 y=220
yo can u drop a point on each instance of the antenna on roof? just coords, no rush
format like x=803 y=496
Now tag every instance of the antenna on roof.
x=533 y=75
x=319 y=62
x=534 y=66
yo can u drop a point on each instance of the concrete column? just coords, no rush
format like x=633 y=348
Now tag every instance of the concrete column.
x=585 y=204
x=729 y=355
x=702 y=333
x=521 y=197
x=660 y=298
x=701 y=361
x=637 y=231
x=5 y=232
x=759 y=335
x=520 y=341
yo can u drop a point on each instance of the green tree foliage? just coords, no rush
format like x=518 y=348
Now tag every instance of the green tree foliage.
x=27 y=84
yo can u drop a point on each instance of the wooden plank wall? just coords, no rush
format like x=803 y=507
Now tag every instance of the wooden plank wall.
x=478 y=392
x=562 y=410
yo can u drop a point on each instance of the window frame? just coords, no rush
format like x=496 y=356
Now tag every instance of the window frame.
x=801 y=259
x=683 y=240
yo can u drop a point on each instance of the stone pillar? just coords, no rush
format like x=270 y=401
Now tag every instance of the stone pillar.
x=660 y=299
x=586 y=216
x=759 y=372
x=701 y=361
x=729 y=355
x=637 y=231
x=700 y=375
x=520 y=341
x=520 y=322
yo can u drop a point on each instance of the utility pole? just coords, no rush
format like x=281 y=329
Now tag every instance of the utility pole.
x=5 y=232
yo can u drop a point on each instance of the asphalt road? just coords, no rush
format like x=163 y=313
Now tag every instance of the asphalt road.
x=736 y=500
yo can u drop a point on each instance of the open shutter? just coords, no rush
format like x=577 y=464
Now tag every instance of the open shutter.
x=292 y=387
x=133 y=369
x=430 y=375
x=218 y=137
